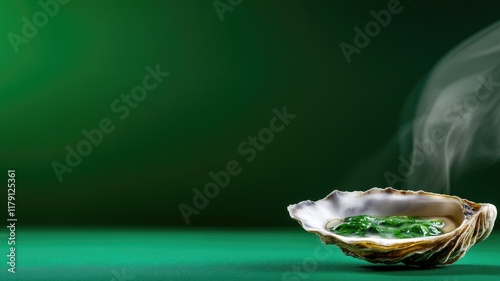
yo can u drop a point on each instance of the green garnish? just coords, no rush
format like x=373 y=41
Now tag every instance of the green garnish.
x=388 y=227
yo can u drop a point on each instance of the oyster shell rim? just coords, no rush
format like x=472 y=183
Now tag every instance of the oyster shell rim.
x=386 y=242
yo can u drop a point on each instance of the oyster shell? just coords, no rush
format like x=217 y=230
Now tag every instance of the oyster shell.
x=466 y=223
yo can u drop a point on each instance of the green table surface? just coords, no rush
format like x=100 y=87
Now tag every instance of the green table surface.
x=201 y=254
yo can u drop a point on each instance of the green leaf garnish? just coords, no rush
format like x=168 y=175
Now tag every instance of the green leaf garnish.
x=388 y=227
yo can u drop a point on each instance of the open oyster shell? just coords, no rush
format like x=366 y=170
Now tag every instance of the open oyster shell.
x=467 y=223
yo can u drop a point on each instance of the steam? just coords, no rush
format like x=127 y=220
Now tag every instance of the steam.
x=456 y=125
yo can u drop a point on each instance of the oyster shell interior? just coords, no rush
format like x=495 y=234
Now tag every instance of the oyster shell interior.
x=449 y=210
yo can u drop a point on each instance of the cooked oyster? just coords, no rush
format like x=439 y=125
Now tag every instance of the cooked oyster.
x=465 y=224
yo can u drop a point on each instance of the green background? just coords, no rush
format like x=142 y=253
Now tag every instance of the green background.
x=225 y=79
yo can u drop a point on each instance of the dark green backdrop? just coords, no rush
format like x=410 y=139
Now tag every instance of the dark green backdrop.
x=225 y=79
